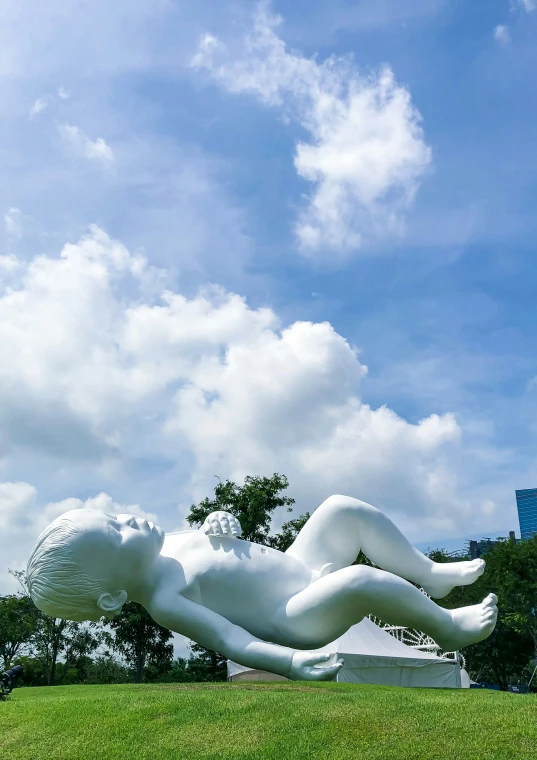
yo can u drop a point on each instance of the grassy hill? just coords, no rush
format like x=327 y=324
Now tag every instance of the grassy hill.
x=265 y=721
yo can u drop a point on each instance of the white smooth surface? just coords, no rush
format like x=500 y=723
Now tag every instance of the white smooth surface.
x=265 y=609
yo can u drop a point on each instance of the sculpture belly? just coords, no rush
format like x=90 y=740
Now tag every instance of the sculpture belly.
x=250 y=591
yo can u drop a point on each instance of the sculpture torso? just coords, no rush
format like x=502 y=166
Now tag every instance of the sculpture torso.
x=246 y=583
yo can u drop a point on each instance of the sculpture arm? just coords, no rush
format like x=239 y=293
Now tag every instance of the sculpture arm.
x=213 y=631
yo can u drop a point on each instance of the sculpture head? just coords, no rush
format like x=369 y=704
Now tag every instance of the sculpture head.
x=85 y=564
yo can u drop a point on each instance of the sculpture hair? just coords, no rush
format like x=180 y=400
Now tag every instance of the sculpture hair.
x=57 y=584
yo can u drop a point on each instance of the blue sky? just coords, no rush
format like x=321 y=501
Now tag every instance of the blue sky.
x=258 y=202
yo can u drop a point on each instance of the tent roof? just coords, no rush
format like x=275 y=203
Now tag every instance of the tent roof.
x=372 y=655
x=366 y=638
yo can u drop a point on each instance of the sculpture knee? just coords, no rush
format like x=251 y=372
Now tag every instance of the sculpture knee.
x=347 y=506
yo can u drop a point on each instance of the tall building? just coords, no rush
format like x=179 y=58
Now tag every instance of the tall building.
x=526 y=502
x=477 y=548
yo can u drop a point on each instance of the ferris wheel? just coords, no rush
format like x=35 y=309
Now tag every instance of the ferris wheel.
x=417 y=639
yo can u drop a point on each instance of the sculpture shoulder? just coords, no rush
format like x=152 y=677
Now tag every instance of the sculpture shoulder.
x=181 y=544
x=167 y=600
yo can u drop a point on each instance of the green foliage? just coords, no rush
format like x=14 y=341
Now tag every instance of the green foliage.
x=77 y=648
x=49 y=638
x=253 y=503
x=206 y=665
x=268 y=721
x=511 y=573
x=34 y=671
x=290 y=530
x=503 y=658
x=105 y=668
x=18 y=619
x=143 y=642
x=178 y=673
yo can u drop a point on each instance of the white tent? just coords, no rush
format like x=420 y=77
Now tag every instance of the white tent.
x=374 y=656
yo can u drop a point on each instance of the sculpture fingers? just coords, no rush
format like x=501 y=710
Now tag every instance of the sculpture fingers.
x=215 y=527
x=325 y=672
x=315 y=658
x=224 y=523
x=211 y=526
x=235 y=525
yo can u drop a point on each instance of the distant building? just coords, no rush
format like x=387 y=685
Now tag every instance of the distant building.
x=526 y=502
x=478 y=548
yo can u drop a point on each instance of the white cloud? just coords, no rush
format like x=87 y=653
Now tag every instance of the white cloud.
x=531 y=385
x=501 y=34
x=94 y=365
x=8 y=264
x=527 y=5
x=13 y=222
x=82 y=146
x=366 y=152
x=45 y=101
x=39 y=105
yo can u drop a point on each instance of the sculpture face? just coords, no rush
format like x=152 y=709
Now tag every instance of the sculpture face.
x=117 y=547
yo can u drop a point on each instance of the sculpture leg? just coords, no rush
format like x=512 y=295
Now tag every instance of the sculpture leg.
x=342 y=526
x=330 y=606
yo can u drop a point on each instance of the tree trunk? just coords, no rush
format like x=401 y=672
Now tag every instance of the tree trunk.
x=57 y=630
x=214 y=665
x=9 y=654
x=502 y=682
x=140 y=666
x=54 y=657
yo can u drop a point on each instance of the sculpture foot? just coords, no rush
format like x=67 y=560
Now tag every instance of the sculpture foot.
x=445 y=576
x=470 y=624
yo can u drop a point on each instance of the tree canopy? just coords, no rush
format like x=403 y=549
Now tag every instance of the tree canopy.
x=253 y=503
x=510 y=573
x=18 y=618
x=142 y=642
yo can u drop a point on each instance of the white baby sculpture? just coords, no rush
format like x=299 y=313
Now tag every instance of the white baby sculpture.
x=253 y=604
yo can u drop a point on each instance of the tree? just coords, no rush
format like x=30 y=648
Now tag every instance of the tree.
x=105 y=668
x=49 y=636
x=18 y=622
x=511 y=574
x=206 y=665
x=53 y=637
x=514 y=567
x=34 y=672
x=179 y=672
x=77 y=649
x=289 y=531
x=502 y=658
x=143 y=642
x=50 y=639
x=253 y=503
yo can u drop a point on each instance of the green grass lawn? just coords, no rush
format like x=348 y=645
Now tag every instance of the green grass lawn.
x=277 y=720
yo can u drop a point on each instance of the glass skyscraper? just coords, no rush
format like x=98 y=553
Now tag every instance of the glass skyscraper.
x=526 y=502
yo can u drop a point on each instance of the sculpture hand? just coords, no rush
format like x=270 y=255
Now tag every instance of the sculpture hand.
x=221 y=524
x=305 y=666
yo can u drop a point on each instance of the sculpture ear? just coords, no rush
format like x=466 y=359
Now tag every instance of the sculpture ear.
x=111 y=604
